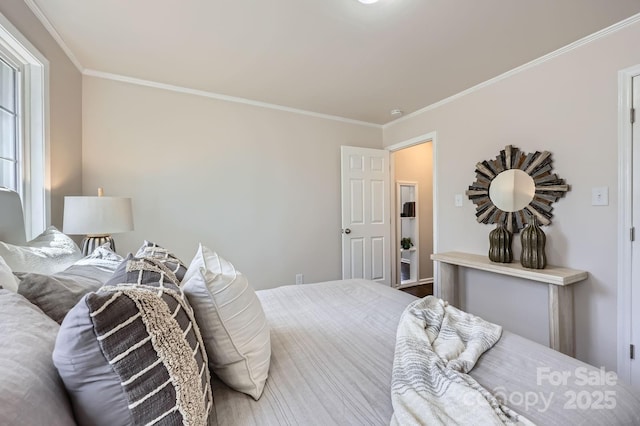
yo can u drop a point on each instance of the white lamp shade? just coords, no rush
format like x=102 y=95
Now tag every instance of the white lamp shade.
x=97 y=215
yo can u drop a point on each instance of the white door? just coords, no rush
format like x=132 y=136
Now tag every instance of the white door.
x=366 y=228
x=635 y=248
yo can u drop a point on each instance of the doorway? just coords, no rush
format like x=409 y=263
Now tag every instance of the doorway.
x=413 y=173
x=362 y=251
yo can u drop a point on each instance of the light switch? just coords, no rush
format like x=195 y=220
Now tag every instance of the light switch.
x=600 y=196
x=458 y=200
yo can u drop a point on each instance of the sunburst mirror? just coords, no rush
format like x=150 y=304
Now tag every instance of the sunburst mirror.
x=514 y=186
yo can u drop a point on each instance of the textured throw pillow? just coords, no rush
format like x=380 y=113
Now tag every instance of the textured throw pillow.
x=234 y=327
x=8 y=281
x=31 y=392
x=132 y=353
x=170 y=260
x=48 y=253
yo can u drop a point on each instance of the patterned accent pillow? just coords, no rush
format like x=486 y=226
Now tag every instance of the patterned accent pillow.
x=132 y=353
x=170 y=260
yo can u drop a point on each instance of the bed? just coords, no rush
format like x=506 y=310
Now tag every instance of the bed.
x=332 y=355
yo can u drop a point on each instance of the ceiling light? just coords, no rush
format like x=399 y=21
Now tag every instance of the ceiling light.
x=367 y=1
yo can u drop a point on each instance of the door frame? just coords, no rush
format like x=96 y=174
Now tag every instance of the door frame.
x=625 y=219
x=424 y=138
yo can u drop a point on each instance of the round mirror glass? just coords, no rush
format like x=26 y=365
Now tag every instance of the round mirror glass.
x=512 y=190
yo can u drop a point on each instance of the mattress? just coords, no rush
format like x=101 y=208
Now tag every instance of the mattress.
x=332 y=354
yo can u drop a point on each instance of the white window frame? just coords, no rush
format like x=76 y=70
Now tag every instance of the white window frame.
x=34 y=103
x=17 y=108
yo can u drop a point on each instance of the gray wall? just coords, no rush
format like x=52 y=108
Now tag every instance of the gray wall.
x=566 y=105
x=65 y=94
x=260 y=186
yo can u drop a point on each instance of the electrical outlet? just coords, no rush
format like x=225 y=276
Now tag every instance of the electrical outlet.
x=600 y=196
x=299 y=279
x=458 y=200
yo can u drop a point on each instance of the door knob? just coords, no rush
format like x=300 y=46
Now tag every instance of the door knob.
x=347 y=231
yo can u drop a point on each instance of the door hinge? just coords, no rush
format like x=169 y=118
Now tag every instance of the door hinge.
x=632 y=352
x=632 y=233
x=633 y=115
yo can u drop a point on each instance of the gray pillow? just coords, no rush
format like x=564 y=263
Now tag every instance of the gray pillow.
x=56 y=294
x=132 y=353
x=31 y=392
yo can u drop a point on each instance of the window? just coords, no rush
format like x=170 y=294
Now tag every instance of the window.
x=10 y=149
x=23 y=125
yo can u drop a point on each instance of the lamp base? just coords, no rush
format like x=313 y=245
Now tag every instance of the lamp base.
x=89 y=244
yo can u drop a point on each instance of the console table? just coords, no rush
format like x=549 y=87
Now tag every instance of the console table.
x=558 y=279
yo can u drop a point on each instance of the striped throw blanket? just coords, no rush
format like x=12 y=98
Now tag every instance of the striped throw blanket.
x=436 y=346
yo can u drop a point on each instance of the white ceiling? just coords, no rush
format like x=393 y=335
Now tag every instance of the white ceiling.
x=337 y=57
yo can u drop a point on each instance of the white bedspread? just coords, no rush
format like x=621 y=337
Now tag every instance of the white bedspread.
x=331 y=355
x=332 y=347
x=436 y=346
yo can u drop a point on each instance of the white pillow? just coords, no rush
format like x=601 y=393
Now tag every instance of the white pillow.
x=102 y=258
x=8 y=281
x=48 y=253
x=234 y=328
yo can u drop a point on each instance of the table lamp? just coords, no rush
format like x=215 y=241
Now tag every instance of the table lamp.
x=97 y=218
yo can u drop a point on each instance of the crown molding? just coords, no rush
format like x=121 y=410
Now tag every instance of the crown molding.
x=54 y=33
x=220 y=97
x=568 y=48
